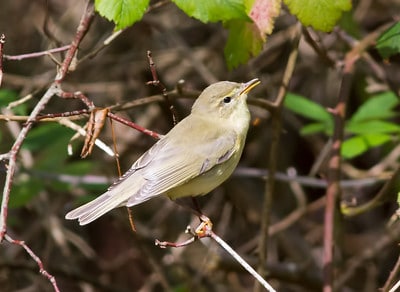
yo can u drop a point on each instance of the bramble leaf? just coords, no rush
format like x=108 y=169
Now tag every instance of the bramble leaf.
x=321 y=15
x=122 y=12
x=244 y=41
x=377 y=107
x=388 y=43
x=213 y=10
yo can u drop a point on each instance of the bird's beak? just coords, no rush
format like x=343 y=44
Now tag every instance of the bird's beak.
x=249 y=86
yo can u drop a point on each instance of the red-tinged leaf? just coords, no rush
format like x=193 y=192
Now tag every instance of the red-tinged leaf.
x=263 y=14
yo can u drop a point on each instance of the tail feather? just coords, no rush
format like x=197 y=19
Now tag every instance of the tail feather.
x=94 y=209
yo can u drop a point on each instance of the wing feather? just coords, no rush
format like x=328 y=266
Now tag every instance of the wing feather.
x=177 y=163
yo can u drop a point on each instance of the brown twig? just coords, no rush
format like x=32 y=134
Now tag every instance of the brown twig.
x=321 y=52
x=133 y=125
x=38 y=261
x=12 y=157
x=270 y=185
x=83 y=27
x=389 y=189
x=159 y=84
x=392 y=277
x=333 y=191
x=36 y=54
x=2 y=42
x=205 y=230
x=333 y=176
x=12 y=154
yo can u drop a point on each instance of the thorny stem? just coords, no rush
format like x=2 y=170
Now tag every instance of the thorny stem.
x=333 y=191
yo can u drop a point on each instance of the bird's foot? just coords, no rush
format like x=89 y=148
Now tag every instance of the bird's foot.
x=203 y=230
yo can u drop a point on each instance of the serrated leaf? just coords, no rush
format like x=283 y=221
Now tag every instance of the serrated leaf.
x=388 y=43
x=377 y=107
x=372 y=127
x=213 y=10
x=263 y=14
x=321 y=15
x=244 y=41
x=313 y=128
x=122 y=12
x=307 y=108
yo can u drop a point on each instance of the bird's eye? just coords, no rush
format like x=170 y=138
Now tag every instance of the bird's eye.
x=227 y=99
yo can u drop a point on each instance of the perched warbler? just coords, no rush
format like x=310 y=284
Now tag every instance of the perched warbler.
x=192 y=159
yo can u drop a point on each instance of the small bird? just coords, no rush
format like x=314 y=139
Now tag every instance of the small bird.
x=192 y=159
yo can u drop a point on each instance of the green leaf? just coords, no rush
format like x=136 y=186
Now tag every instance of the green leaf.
x=372 y=127
x=213 y=10
x=353 y=147
x=7 y=96
x=45 y=135
x=244 y=41
x=307 y=108
x=377 y=107
x=122 y=12
x=359 y=144
x=374 y=140
x=313 y=128
x=263 y=13
x=321 y=15
x=388 y=43
x=79 y=167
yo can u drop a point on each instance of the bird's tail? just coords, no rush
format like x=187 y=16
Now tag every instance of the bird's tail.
x=94 y=209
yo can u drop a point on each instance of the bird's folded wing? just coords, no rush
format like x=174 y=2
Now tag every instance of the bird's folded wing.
x=169 y=165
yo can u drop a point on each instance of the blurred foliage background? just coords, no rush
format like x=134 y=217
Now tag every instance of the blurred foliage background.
x=106 y=255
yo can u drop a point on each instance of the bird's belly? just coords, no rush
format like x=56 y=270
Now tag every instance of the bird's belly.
x=205 y=182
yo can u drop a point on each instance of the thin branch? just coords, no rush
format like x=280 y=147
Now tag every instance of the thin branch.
x=321 y=52
x=205 y=230
x=333 y=176
x=333 y=191
x=393 y=274
x=38 y=261
x=36 y=54
x=241 y=261
x=159 y=84
x=83 y=27
x=53 y=90
x=389 y=189
x=133 y=125
x=270 y=185
x=105 y=43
